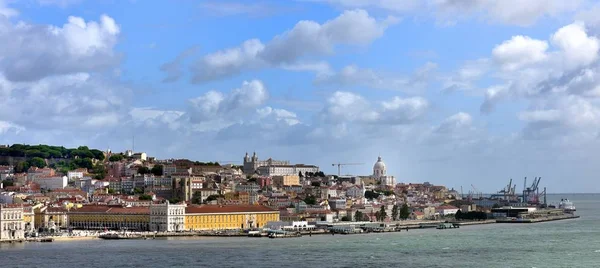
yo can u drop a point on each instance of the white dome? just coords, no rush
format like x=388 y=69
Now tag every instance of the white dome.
x=379 y=165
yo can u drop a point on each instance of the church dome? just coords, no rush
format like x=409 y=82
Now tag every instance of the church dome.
x=379 y=165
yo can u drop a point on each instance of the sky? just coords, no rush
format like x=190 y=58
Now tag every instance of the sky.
x=464 y=93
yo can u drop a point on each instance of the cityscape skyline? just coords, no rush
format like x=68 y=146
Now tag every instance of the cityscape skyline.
x=438 y=97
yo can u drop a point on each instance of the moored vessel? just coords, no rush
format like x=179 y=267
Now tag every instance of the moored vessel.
x=567 y=206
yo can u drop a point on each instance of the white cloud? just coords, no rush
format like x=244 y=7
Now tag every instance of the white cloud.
x=77 y=101
x=277 y=115
x=403 y=110
x=577 y=47
x=514 y=12
x=214 y=104
x=353 y=27
x=352 y=75
x=77 y=46
x=347 y=107
x=6 y=126
x=455 y=122
x=6 y=11
x=520 y=51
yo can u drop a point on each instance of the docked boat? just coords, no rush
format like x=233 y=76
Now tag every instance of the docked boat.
x=567 y=206
x=447 y=225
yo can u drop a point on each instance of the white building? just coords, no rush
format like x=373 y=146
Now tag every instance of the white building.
x=380 y=173
x=52 y=182
x=166 y=217
x=74 y=174
x=12 y=225
x=446 y=210
x=282 y=170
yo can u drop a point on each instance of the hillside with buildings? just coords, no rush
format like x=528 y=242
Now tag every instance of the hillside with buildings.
x=135 y=191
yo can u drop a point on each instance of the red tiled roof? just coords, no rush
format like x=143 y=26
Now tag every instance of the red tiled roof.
x=228 y=209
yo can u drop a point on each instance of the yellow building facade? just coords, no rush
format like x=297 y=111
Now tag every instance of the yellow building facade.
x=111 y=218
x=215 y=217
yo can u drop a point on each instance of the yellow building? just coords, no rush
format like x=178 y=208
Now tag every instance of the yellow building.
x=215 y=217
x=29 y=216
x=287 y=180
x=110 y=217
x=50 y=218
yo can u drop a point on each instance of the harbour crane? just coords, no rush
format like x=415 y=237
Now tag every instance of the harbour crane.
x=339 y=166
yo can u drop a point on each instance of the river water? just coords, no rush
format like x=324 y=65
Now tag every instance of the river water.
x=567 y=243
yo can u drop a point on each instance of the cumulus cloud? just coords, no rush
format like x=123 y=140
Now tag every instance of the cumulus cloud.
x=455 y=122
x=577 y=47
x=215 y=104
x=352 y=75
x=77 y=46
x=345 y=107
x=520 y=51
x=77 y=101
x=353 y=27
x=514 y=12
x=530 y=68
x=564 y=116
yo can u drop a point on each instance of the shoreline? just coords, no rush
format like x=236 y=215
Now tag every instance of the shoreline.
x=401 y=228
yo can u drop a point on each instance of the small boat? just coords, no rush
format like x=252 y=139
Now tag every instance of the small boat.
x=567 y=206
x=447 y=226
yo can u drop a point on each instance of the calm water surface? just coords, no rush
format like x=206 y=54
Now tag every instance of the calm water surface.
x=569 y=243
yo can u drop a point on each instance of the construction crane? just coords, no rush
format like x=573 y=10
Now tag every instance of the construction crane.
x=531 y=194
x=339 y=165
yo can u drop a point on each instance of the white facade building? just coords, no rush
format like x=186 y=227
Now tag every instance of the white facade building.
x=12 y=225
x=282 y=170
x=52 y=182
x=166 y=217
x=72 y=175
x=380 y=173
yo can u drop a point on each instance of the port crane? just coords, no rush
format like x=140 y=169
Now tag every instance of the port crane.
x=507 y=193
x=339 y=166
x=532 y=194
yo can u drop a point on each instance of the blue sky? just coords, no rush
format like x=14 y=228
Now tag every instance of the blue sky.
x=451 y=92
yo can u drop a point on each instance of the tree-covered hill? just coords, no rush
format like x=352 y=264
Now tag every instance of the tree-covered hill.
x=49 y=152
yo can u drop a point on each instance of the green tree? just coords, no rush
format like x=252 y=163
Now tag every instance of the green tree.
x=157 y=170
x=300 y=174
x=115 y=158
x=358 y=216
x=21 y=167
x=378 y=216
x=138 y=191
x=143 y=170
x=496 y=205
x=145 y=197
x=310 y=200
x=174 y=200
x=197 y=198
x=97 y=154
x=345 y=218
x=111 y=191
x=404 y=212
x=382 y=213
x=37 y=162
x=6 y=183
x=100 y=171
x=371 y=195
x=458 y=215
x=395 y=212
x=315 y=184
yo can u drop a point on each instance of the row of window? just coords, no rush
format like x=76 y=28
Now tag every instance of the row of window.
x=11 y=216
